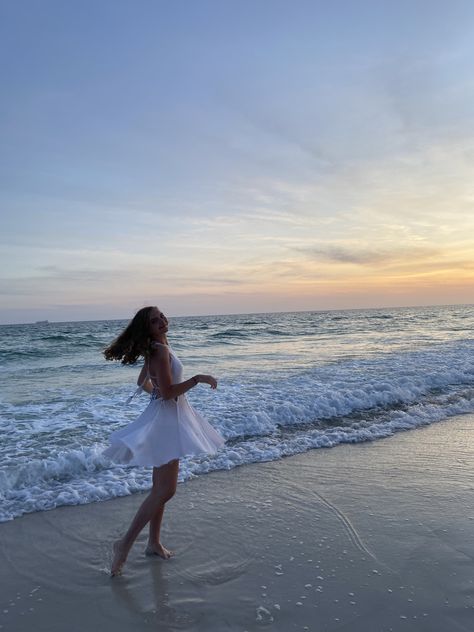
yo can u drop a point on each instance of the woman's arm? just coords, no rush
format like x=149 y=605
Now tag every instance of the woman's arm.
x=161 y=371
x=144 y=381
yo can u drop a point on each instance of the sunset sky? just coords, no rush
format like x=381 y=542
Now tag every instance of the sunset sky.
x=234 y=156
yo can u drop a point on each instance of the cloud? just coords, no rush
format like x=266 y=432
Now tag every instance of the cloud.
x=366 y=255
x=51 y=283
x=346 y=255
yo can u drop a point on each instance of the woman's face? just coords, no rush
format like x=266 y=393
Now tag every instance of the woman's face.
x=158 y=323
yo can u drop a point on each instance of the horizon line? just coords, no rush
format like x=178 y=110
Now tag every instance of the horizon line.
x=298 y=311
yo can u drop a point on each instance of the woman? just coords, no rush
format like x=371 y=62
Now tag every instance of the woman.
x=168 y=429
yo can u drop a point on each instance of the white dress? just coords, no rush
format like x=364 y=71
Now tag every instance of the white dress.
x=166 y=430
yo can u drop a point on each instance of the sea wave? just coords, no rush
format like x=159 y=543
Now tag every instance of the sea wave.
x=81 y=476
x=341 y=389
x=230 y=333
x=305 y=412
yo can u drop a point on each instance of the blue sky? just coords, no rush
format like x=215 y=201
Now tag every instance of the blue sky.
x=215 y=157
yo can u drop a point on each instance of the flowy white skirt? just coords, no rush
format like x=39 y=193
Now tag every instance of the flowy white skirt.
x=166 y=430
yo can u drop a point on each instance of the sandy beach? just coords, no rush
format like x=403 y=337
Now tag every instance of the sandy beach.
x=368 y=537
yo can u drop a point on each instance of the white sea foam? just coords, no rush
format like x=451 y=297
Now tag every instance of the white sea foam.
x=83 y=476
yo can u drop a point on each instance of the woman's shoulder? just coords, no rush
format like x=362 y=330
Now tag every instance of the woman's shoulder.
x=159 y=349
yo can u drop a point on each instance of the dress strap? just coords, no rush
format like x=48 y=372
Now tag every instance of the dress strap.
x=135 y=393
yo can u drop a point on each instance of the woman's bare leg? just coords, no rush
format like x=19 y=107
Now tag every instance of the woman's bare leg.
x=164 y=486
x=168 y=480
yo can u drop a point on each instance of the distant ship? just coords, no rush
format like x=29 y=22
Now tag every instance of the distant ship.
x=42 y=322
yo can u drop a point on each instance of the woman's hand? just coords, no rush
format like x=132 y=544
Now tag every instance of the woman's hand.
x=207 y=379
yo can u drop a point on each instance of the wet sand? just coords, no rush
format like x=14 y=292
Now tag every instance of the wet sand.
x=362 y=538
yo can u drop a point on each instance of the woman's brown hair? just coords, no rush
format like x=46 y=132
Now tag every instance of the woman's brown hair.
x=134 y=341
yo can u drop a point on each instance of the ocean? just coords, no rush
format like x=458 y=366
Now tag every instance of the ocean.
x=288 y=383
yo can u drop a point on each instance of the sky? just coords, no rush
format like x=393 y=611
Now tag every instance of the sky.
x=220 y=156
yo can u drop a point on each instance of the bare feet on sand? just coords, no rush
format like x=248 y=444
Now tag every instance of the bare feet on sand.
x=120 y=557
x=159 y=550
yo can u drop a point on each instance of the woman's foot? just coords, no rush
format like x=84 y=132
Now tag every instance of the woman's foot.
x=158 y=549
x=119 y=559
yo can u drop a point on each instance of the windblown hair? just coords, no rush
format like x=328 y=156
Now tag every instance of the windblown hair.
x=134 y=341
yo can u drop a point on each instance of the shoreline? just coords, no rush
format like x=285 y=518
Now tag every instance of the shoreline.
x=370 y=536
